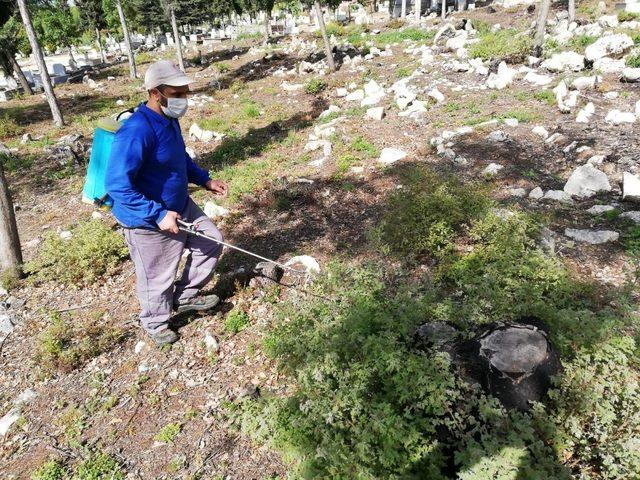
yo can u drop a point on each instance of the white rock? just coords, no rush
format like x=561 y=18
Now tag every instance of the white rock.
x=310 y=264
x=197 y=133
x=376 y=113
x=96 y=215
x=373 y=94
x=330 y=110
x=502 y=78
x=404 y=99
x=596 y=160
x=6 y=323
x=557 y=196
x=540 y=131
x=537 y=79
x=291 y=87
x=120 y=102
x=66 y=235
x=391 y=155
x=598 y=209
x=632 y=215
x=586 y=83
x=498 y=136
x=517 y=192
x=584 y=115
x=436 y=95
x=559 y=62
x=615 y=44
x=342 y=92
x=630 y=187
x=355 y=96
x=210 y=342
x=536 y=193
x=593 y=237
x=608 y=65
x=9 y=419
x=212 y=210
x=314 y=145
x=511 y=122
x=555 y=138
x=630 y=74
x=139 y=346
x=492 y=169
x=586 y=181
x=616 y=117
x=608 y=20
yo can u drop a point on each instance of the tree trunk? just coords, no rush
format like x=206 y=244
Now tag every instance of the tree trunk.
x=418 y=4
x=541 y=26
x=267 y=26
x=20 y=74
x=572 y=10
x=176 y=37
x=103 y=57
x=403 y=10
x=10 y=253
x=42 y=66
x=71 y=58
x=444 y=9
x=127 y=41
x=325 y=38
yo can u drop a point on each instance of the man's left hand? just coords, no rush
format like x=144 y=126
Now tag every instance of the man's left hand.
x=218 y=187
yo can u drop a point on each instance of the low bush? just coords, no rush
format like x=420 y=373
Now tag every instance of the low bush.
x=236 y=321
x=9 y=127
x=93 y=250
x=501 y=44
x=67 y=343
x=96 y=465
x=633 y=61
x=315 y=86
x=426 y=214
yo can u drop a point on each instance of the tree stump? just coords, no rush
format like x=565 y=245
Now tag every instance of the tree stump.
x=514 y=362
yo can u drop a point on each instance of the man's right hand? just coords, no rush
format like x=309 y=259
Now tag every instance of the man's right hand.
x=169 y=222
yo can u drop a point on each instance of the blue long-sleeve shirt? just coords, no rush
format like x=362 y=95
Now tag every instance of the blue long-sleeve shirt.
x=149 y=170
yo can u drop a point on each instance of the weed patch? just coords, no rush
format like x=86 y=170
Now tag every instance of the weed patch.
x=236 y=321
x=501 y=44
x=169 y=432
x=93 y=250
x=315 y=86
x=66 y=343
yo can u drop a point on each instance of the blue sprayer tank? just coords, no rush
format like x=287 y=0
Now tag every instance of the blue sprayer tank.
x=94 y=191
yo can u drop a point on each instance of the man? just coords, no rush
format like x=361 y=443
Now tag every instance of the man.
x=147 y=178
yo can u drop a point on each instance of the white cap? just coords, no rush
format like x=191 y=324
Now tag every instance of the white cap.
x=165 y=72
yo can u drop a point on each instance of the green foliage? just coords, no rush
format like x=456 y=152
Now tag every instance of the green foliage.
x=169 y=432
x=9 y=128
x=633 y=61
x=521 y=114
x=67 y=343
x=250 y=109
x=249 y=36
x=57 y=26
x=361 y=144
x=333 y=28
x=501 y=44
x=315 y=86
x=631 y=240
x=425 y=215
x=222 y=67
x=344 y=163
x=627 y=16
x=51 y=470
x=402 y=72
x=236 y=321
x=9 y=278
x=545 y=96
x=580 y=42
x=98 y=466
x=93 y=250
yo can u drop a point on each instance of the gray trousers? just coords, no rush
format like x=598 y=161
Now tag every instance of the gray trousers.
x=156 y=256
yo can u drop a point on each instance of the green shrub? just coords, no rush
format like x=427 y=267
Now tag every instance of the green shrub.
x=344 y=163
x=249 y=36
x=633 y=61
x=631 y=240
x=67 y=343
x=52 y=470
x=237 y=320
x=315 y=86
x=333 y=28
x=222 y=67
x=425 y=215
x=501 y=44
x=9 y=127
x=93 y=250
x=250 y=109
x=580 y=42
x=627 y=16
x=169 y=432
x=98 y=466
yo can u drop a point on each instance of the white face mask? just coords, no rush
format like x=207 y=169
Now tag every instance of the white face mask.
x=176 y=107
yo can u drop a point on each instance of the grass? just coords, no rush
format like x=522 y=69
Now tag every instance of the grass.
x=360 y=144
x=344 y=163
x=520 y=114
x=501 y=44
x=66 y=343
x=627 y=16
x=236 y=321
x=9 y=127
x=545 y=96
x=93 y=250
x=169 y=432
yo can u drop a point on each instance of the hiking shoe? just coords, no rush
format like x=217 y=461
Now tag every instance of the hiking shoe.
x=198 y=304
x=164 y=337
